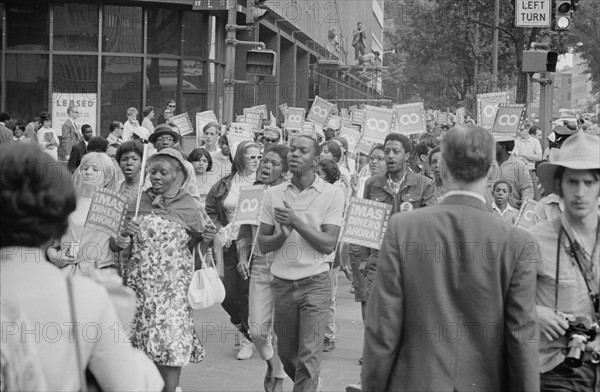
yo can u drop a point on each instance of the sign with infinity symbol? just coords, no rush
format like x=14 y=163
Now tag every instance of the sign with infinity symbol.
x=487 y=106
x=320 y=111
x=378 y=123
x=352 y=136
x=295 y=118
x=248 y=208
x=525 y=218
x=409 y=118
x=509 y=118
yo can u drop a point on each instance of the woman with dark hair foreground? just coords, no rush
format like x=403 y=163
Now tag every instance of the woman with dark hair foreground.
x=37 y=198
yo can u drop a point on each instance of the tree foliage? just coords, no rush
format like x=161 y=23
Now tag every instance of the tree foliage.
x=446 y=51
x=586 y=31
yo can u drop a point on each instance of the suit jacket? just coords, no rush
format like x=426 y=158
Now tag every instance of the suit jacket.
x=453 y=307
x=70 y=137
x=77 y=153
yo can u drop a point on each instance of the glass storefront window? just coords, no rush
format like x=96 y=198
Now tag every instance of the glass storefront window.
x=75 y=74
x=76 y=27
x=161 y=82
x=121 y=88
x=27 y=26
x=164 y=31
x=193 y=75
x=195 y=33
x=122 y=32
x=26 y=85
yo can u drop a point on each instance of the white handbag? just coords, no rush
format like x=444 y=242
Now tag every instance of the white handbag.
x=206 y=288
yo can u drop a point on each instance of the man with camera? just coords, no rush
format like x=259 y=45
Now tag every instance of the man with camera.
x=568 y=278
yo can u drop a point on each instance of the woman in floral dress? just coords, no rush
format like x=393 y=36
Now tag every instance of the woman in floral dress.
x=168 y=227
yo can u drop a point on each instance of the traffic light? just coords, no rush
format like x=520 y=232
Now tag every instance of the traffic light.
x=539 y=61
x=562 y=14
x=260 y=62
x=255 y=11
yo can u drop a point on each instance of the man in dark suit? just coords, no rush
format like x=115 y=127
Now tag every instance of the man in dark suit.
x=80 y=149
x=453 y=308
x=70 y=134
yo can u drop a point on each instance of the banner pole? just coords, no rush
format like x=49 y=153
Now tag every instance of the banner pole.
x=142 y=180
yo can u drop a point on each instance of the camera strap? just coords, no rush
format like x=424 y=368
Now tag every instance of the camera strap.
x=586 y=270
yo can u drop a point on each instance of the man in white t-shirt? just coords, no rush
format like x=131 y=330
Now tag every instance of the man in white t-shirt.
x=300 y=223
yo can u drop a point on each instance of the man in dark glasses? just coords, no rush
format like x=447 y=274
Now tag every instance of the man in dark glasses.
x=271 y=136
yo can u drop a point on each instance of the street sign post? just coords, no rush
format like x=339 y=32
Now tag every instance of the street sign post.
x=533 y=13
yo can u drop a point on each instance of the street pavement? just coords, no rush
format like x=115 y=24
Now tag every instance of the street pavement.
x=221 y=371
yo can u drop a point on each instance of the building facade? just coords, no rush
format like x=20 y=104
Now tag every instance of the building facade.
x=107 y=56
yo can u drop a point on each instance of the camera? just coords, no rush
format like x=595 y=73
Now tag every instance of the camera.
x=579 y=333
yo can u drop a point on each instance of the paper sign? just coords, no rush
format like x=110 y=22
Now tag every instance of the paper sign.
x=358 y=117
x=283 y=108
x=509 y=118
x=366 y=222
x=182 y=121
x=239 y=132
x=525 y=218
x=365 y=146
x=334 y=122
x=85 y=103
x=254 y=118
x=487 y=106
x=442 y=118
x=262 y=109
x=410 y=118
x=378 y=123
x=352 y=136
x=308 y=129
x=204 y=118
x=295 y=118
x=106 y=212
x=320 y=111
x=248 y=208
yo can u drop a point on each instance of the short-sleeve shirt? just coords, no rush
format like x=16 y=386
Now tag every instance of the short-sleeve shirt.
x=319 y=204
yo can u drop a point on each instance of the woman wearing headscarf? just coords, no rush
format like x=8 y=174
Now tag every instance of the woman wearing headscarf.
x=221 y=203
x=165 y=234
x=36 y=205
x=96 y=171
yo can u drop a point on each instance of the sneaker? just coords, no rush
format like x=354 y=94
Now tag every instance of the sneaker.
x=329 y=345
x=354 y=388
x=245 y=349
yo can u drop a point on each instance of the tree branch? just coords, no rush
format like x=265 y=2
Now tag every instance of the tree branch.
x=505 y=31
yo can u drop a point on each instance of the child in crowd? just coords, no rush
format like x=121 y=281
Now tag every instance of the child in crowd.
x=501 y=191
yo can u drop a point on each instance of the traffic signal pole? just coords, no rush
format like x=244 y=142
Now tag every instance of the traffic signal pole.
x=231 y=43
x=546 y=99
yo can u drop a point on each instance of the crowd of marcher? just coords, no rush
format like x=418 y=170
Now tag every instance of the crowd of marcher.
x=457 y=298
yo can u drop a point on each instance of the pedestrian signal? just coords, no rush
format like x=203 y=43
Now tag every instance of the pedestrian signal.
x=539 y=61
x=260 y=62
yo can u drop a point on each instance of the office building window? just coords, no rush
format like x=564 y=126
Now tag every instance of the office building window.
x=27 y=26
x=26 y=85
x=122 y=31
x=76 y=27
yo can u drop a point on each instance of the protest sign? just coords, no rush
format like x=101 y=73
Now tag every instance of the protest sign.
x=525 y=218
x=283 y=108
x=352 y=136
x=308 y=129
x=346 y=120
x=204 y=118
x=358 y=117
x=334 y=122
x=442 y=118
x=295 y=118
x=254 y=118
x=239 y=132
x=104 y=221
x=320 y=111
x=85 y=103
x=365 y=146
x=410 y=118
x=366 y=222
x=262 y=109
x=487 y=106
x=378 y=123
x=248 y=208
x=509 y=119
x=182 y=121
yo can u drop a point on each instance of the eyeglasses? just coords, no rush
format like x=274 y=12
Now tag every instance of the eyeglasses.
x=253 y=157
x=172 y=106
x=165 y=139
x=374 y=158
x=268 y=140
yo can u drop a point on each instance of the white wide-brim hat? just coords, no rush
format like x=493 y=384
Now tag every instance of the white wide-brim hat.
x=579 y=152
